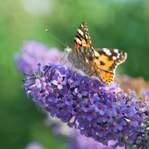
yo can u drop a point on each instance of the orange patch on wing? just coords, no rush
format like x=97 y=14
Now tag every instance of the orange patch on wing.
x=103 y=62
x=106 y=76
x=76 y=45
x=85 y=43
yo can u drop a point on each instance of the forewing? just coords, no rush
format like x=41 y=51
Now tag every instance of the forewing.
x=82 y=37
x=109 y=59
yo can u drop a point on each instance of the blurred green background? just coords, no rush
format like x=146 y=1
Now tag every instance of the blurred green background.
x=122 y=24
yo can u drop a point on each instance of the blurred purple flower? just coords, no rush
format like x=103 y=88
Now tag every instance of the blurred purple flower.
x=76 y=140
x=82 y=142
x=58 y=127
x=34 y=145
x=102 y=112
x=145 y=94
x=33 y=53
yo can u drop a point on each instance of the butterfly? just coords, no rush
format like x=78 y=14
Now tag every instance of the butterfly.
x=101 y=63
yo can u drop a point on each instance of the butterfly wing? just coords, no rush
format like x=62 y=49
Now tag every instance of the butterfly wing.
x=106 y=76
x=82 y=37
x=107 y=61
x=82 y=50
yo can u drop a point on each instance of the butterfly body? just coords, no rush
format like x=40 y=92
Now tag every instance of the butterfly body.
x=94 y=62
x=80 y=62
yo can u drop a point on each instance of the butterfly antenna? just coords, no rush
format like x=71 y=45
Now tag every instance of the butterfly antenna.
x=63 y=59
x=55 y=38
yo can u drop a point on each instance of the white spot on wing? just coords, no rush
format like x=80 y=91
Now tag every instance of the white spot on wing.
x=118 y=55
x=82 y=25
x=86 y=36
x=116 y=50
x=80 y=32
x=78 y=40
x=107 y=51
x=114 y=57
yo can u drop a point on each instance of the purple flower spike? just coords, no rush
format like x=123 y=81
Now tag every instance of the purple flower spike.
x=81 y=142
x=98 y=111
x=33 y=53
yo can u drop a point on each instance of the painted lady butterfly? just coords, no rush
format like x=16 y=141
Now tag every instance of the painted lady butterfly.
x=94 y=62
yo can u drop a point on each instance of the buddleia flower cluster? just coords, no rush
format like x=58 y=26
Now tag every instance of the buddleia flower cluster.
x=32 y=53
x=98 y=111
